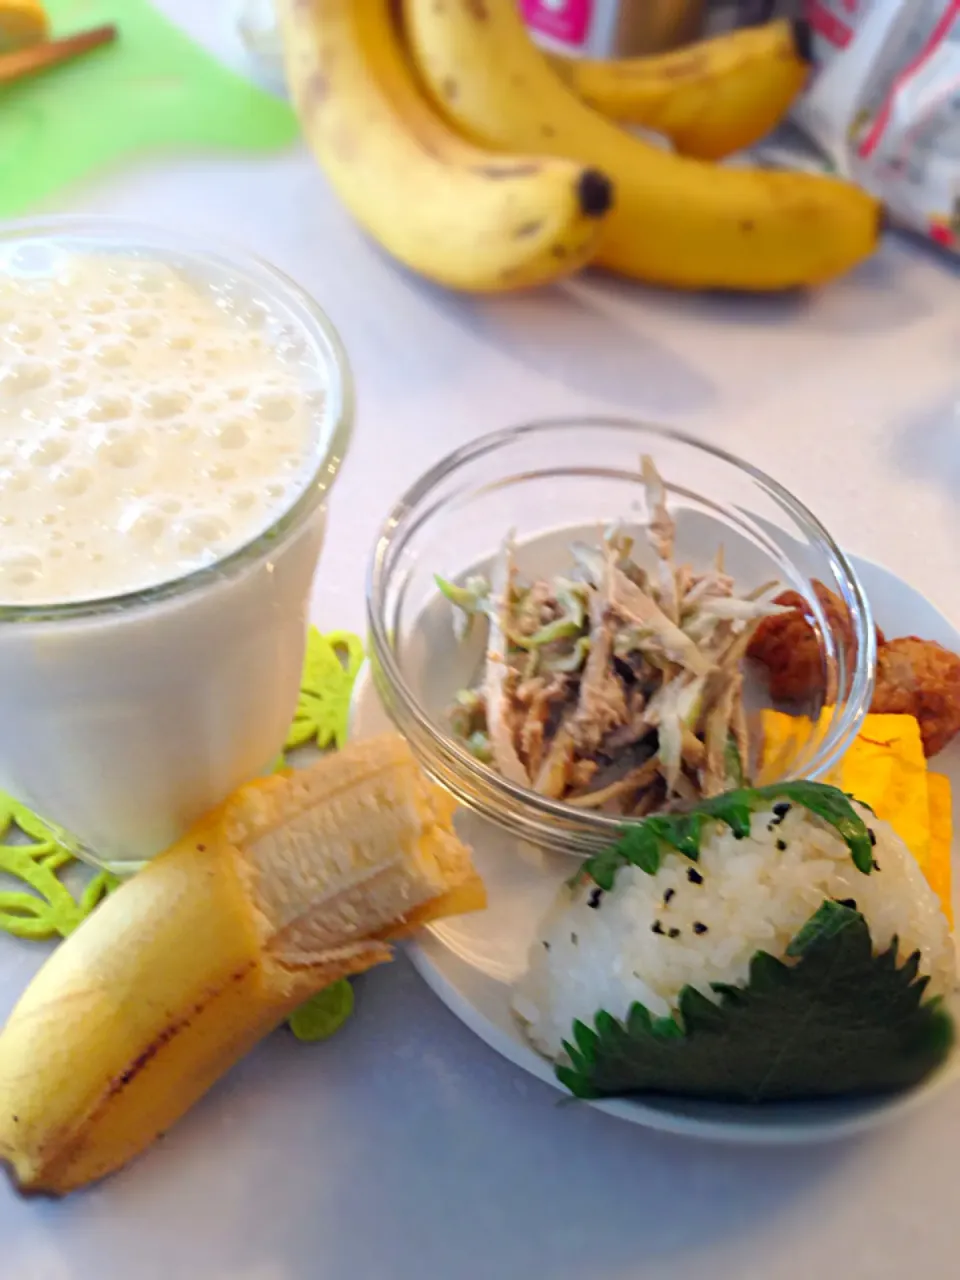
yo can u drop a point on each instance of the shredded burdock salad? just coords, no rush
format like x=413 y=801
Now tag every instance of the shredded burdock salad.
x=612 y=687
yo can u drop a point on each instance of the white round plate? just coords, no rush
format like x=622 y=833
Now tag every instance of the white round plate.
x=472 y=961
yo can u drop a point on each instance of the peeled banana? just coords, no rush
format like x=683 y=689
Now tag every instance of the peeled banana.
x=296 y=881
x=450 y=211
x=710 y=99
x=676 y=221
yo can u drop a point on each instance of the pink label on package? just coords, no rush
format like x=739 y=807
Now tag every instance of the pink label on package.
x=566 y=20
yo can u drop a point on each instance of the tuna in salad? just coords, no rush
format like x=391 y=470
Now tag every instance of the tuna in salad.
x=612 y=686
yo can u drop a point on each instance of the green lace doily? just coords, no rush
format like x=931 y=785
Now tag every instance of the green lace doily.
x=323 y=1014
x=323 y=708
x=34 y=852
x=35 y=859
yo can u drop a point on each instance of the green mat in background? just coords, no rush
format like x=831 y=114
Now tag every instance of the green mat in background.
x=152 y=90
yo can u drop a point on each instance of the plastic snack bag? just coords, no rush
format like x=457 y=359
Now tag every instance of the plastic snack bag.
x=884 y=104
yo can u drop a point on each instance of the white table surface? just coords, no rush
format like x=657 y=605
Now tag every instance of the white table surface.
x=405 y=1149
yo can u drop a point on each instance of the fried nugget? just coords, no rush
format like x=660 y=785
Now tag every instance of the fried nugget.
x=920 y=678
x=788 y=646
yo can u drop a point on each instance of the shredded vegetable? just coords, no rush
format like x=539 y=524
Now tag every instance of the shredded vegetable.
x=615 y=686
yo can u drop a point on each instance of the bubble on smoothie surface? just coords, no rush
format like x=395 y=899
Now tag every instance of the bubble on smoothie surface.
x=19 y=567
x=44 y=451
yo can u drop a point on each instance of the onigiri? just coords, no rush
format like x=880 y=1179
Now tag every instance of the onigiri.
x=786 y=925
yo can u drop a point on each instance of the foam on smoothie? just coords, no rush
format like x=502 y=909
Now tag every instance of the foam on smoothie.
x=150 y=423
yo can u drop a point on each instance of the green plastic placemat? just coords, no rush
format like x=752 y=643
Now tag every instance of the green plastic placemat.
x=152 y=89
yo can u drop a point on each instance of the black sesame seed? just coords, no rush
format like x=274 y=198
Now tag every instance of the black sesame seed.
x=782 y=846
x=699 y=926
x=694 y=876
x=574 y=939
x=656 y=927
x=873 y=835
x=848 y=902
x=771 y=825
x=781 y=809
x=674 y=933
x=594 y=899
x=546 y=946
x=876 y=865
x=668 y=895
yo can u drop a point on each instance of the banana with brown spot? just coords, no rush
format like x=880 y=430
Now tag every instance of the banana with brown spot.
x=676 y=221
x=711 y=98
x=447 y=209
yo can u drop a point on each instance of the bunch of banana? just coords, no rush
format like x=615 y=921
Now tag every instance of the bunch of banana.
x=710 y=99
x=460 y=215
x=676 y=221
x=477 y=162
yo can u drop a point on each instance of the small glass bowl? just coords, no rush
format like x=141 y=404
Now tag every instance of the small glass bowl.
x=556 y=480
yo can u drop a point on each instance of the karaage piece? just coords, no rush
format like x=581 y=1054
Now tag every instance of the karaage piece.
x=788 y=646
x=920 y=678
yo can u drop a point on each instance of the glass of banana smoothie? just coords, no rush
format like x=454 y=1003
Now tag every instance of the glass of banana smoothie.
x=171 y=418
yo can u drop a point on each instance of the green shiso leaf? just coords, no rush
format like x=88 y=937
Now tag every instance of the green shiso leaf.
x=835 y=1021
x=642 y=845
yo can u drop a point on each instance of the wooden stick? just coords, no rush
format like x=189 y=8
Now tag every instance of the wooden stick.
x=50 y=53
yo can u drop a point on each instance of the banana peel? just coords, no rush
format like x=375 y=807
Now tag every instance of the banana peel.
x=299 y=880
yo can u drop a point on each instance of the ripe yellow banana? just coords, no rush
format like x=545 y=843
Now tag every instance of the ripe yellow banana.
x=675 y=221
x=710 y=99
x=456 y=214
x=297 y=881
